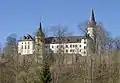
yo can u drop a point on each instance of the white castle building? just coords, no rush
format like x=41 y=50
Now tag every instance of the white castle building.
x=71 y=44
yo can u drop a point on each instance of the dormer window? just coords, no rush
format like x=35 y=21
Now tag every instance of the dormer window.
x=54 y=40
x=68 y=40
x=25 y=37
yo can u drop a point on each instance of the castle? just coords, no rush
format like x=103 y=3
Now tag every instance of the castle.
x=72 y=44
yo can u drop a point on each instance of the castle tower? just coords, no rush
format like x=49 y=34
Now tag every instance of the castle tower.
x=39 y=43
x=91 y=31
x=91 y=25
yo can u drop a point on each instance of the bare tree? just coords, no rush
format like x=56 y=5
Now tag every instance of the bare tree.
x=100 y=35
x=10 y=45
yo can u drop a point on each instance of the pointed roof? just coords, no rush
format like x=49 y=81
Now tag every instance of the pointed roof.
x=40 y=32
x=40 y=27
x=92 y=17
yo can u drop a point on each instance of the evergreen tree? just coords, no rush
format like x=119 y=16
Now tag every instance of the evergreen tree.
x=44 y=74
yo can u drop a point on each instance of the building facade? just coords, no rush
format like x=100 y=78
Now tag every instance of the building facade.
x=70 y=44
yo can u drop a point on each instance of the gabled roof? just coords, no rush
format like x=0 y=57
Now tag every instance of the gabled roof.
x=27 y=37
x=69 y=39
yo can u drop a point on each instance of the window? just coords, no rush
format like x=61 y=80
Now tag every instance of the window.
x=66 y=46
x=22 y=47
x=75 y=45
x=22 y=42
x=70 y=45
x=71 y=50
x=28 y=42
x=25 y=46
x=25 y=42
x=68 y=39
x=66 y=50
x=52 y=47
x=80 y=50
x=84 y=47
x=80 y=45
x=57 y=46
x=28 y=47
x=84 y=52
x=84 y=42
x=54 y=40
x=77 y=40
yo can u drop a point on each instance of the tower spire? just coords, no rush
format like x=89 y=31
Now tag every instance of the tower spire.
x=40 y=27
x=92 y=17
x=39 y=31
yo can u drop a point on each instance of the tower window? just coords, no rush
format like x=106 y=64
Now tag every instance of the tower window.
x=52 y=46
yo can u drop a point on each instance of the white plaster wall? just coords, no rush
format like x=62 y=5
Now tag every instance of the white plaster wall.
x=27 y=50
x=53 y=47
x=80 y=46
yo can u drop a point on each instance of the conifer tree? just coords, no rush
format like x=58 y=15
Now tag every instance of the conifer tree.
x=44 y=74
